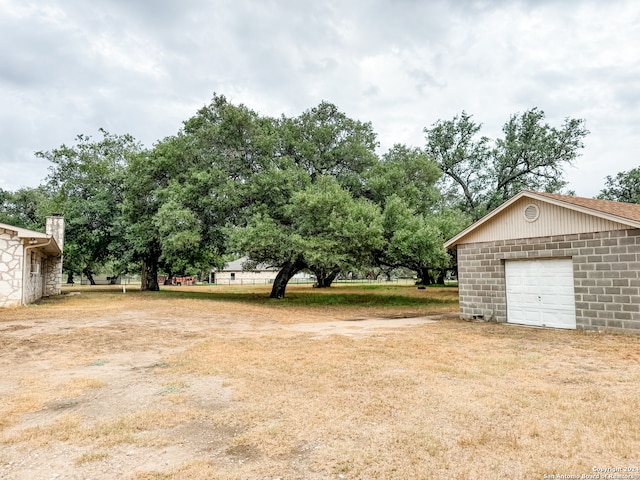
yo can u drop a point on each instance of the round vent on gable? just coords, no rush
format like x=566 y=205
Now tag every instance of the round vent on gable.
x=531 y=212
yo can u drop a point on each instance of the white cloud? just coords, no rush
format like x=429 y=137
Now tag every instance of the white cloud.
x=143 y=67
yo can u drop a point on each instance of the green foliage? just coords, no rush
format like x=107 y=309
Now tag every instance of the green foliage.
x=184 y=192
x=322 y=226
x=416 y=222
x=324 y=141
x=270 y=191
x=532 y=155
x=624 y=187
x=415 y=241
x=179 y=234
x=86 y=182
x=293 y=211
x=26 y=207
x=333 y=229
x=264 y=240
x=405 y=172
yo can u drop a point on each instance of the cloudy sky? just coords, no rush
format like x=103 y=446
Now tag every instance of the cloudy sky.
x=70 y=67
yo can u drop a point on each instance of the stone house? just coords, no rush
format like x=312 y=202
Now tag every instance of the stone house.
x=552 y=260
x=30 y=262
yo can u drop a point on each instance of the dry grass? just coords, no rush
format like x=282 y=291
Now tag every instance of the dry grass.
x=452 y=398
x=34 y=392
x=449 y=399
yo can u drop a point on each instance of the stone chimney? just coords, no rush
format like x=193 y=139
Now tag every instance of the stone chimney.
x=55 y=228
x=53 y=281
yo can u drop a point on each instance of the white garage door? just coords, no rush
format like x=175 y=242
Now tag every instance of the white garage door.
x=540 y=293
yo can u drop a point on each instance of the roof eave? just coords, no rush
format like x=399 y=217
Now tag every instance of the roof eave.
x=48 y=244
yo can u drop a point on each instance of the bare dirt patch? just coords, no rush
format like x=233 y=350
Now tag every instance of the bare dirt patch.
x=357 y=327
x=104 y=385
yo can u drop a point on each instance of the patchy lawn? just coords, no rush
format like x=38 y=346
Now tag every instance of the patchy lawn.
x=351 y=382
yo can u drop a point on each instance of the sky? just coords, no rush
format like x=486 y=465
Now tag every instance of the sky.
x=142 y=67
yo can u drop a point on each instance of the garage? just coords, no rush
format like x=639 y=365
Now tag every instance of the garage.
x=551 y=260
x=540 y=293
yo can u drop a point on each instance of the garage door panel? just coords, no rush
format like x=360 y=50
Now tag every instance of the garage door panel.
x=531 y=317
x=530 y=299
x=540 y=292
x=547 y=290
x=560 y=320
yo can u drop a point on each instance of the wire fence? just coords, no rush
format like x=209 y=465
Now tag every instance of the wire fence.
x=311 y=281
x=266 y=281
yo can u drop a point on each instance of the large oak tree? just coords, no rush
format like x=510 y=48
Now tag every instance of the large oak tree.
x=321 y=228
x=86 y=184
x=481 y=173
x=183 y=193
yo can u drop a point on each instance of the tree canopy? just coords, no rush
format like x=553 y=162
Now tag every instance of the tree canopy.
x=322 y=228
x=483 y=174
x=623 y=187
x=181 y=194
x=86 y=185
x=26 y=207
x=407 y=172
x=310 y=189
x=415 y=240
x=308 y=192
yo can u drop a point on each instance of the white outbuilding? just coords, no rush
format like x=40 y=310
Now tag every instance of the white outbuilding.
x=551 y=260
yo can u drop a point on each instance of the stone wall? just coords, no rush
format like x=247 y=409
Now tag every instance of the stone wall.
x=53 y=276
x=606 y=269
x=11 y=257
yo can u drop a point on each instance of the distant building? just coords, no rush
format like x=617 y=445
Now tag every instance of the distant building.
x=30 y=262
x=234 y=274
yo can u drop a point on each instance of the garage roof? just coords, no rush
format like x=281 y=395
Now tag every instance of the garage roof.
x=628 y=211
x=623 y=213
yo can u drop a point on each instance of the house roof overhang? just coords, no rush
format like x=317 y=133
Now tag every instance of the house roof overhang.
x=628 y=215
x=34 y=239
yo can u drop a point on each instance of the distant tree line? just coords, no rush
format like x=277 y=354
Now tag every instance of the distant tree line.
x=306 y=193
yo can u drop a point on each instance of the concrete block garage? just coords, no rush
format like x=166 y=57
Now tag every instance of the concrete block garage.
x=553 y=260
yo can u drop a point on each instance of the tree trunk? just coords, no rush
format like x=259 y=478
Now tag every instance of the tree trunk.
x=89 y=276
x=441 y=276
x=288 y=270
x=424 y=278
x=324 y=279
x=387 y=273
x=70 y=277
x=149 y=277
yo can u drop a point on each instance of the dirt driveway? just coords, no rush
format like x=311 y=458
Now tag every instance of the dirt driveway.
x=103 y=385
